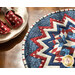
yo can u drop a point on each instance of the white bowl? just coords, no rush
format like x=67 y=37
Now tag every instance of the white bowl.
x=22 y=11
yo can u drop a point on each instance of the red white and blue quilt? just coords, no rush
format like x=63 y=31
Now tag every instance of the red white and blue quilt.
x=50 y=39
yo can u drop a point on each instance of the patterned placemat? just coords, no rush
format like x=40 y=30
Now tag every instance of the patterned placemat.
x=50 y=42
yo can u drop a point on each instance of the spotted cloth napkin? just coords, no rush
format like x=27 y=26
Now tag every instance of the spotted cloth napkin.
x=13 y=19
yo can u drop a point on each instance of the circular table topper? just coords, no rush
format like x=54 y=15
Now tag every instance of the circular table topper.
x=49 y=40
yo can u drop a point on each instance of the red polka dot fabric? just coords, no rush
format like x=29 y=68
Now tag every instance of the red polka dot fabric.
x=4 y=29
x=13 y=19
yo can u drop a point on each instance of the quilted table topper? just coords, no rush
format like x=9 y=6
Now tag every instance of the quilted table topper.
x=50 y=42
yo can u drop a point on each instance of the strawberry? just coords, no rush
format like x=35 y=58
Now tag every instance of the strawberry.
x=4 y=29
x=13 y=19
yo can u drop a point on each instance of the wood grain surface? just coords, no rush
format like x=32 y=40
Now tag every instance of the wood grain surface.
x=10 y=52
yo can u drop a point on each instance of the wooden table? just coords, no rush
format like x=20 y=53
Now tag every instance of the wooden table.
x=10 y=52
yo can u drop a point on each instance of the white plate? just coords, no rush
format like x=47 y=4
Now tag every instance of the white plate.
x=22 y=11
